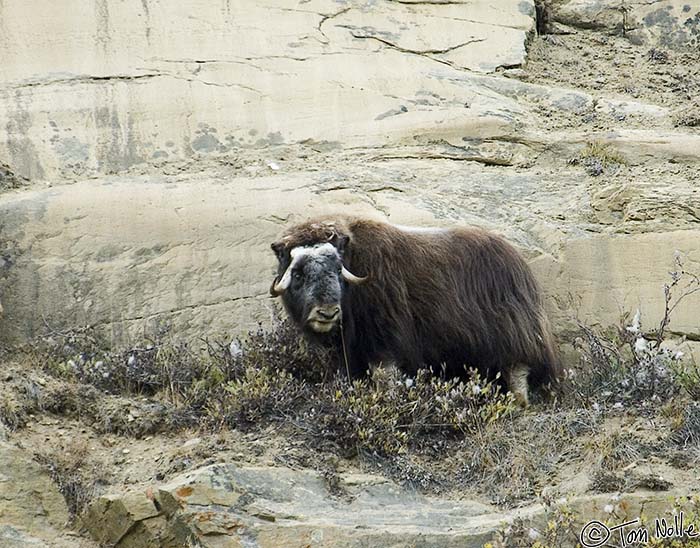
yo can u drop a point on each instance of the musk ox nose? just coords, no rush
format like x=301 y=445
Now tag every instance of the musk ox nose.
x=328 y=313
x=322 y=319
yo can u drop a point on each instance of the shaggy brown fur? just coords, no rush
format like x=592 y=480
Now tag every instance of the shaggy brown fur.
x=443 y=298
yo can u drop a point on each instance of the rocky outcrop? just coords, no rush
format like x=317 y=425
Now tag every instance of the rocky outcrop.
x=671 y=24
x=32 y=511
x=225 y=505
x=151 y=151
x=29 y=499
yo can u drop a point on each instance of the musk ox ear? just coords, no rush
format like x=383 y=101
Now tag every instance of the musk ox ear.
x=339 y=241
x=278 y=249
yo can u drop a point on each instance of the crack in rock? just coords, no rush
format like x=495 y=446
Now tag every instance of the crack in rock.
x=439 y=51
x=327 y=17
x=88 y=79
x=430 y=2
x=236 y=61
x=179 y=310
x=446 y=156
x=217 y=84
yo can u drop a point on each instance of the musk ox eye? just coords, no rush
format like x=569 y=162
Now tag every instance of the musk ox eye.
x=297 y=275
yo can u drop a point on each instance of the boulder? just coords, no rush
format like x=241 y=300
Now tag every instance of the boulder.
x=226 y=505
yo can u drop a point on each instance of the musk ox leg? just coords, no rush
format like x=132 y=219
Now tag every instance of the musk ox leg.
x=516 y=379
x=352 y=364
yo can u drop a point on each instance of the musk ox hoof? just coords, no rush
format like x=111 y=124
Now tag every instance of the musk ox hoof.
x=517 y=384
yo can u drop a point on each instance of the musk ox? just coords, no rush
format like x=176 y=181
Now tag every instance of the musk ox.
x=449 y=299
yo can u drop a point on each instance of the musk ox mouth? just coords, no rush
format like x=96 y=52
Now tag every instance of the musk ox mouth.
x=321 y=327
x=323 y=319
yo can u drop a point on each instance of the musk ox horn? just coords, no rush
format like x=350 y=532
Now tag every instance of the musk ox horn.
x=275 y=290
x=281 y=285
x=351 y=278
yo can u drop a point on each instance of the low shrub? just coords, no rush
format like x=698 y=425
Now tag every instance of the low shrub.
x=629 y=366
x=390 y=413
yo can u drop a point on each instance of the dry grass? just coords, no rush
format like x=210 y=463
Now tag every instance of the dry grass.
x=76 y=474
x=599 y=158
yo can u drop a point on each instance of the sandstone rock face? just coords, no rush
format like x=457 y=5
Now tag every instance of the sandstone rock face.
x=111 y=85
x=158 y=153
x=150 y=152
x=133 y=253
x=227 y=506
x=670 y=23
x=11 y=537
x=129 y=253
x=32 y=511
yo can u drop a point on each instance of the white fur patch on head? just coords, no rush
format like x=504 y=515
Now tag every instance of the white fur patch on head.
x=317 y=250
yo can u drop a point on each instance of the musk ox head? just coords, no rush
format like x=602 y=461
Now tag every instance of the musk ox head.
x=311 y=279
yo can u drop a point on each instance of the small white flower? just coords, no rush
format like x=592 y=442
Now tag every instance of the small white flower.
x=615 y=498
x=72 y=364
x=634 y=328
x=618 y=405
x=609 y=509
x=533 y=534
x=99 y=364
x=640 y=345
x=476 y=389
x=105 y=375
x=131 y=361
x=596 y=407
x=235 y=349
x=409 y=383
x=678 y=355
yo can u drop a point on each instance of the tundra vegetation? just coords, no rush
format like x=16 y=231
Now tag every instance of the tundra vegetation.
x=437 y=435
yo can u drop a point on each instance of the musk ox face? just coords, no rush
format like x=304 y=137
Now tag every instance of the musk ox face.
x=311 y=280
